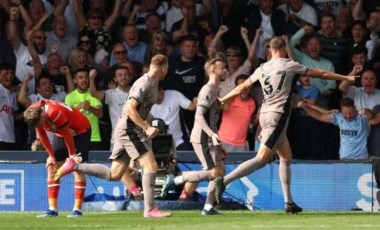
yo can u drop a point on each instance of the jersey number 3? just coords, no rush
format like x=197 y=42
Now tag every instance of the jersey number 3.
x=271 y=79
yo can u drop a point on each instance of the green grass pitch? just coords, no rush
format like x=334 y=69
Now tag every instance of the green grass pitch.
x=183 y=220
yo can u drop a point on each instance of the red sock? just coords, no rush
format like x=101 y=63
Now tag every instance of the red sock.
x=53 y=189
x=80 y=189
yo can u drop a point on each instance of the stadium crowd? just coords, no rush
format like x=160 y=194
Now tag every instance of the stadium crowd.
x=49 y=48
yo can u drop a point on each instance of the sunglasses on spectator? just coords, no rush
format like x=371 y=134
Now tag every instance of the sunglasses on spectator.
x=120 y=52
x=84 y=42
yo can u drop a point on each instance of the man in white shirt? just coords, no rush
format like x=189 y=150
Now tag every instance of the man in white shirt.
x=8 y=105
x=167 y=108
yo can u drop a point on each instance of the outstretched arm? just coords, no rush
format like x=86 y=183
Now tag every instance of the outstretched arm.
x=236 y=91
x=324 y=74
x=316 y=113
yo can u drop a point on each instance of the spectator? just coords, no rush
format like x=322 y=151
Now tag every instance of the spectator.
x=61 y=80
x=235 y=65
x=35 y=15
x=372 y=45
x=115 y=96
x=344 y=21
x=334 y=46
x=359 y=34
x=360 y=62
x=188 y=25
x=310 y=56
x=174 y=14
x=36 y=40
x=79 y=59
x=58 y=36
x=329 y=6
x=90 y=106
x=120 y=56
x=139 y=13
x=153 y=25
x=298 y=14
x=305 y=144
x=354 y=127
x=366 y=96
x=167 y=108
x=159 y=44
x=186 y=74
x=98 y=58
x=237 y=116
x=269 y=19
x=95 y=24
x=135 y=48
x=8 y=105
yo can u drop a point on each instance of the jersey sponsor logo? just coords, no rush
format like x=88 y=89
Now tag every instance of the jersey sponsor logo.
x=189 y=79
x=347 y=132
x=183 y=71
x=7 y=109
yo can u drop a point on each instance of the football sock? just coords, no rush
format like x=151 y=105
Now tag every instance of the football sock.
x=53 y=189
x=210 y=194
x=197 y=176
x=80 y=188
x=179 y=180
x=244 y=169
x=148 y=183
x=97 y=170
x=285 y=178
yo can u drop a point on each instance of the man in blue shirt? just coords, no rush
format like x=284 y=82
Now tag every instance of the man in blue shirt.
x=354 y=127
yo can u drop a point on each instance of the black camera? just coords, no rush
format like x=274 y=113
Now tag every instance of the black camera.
x=162 y=144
